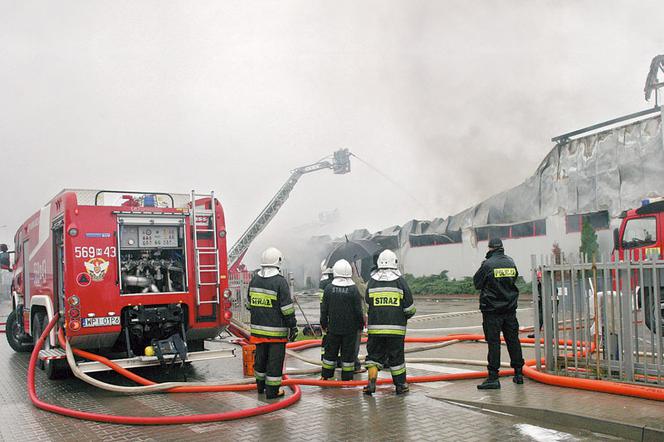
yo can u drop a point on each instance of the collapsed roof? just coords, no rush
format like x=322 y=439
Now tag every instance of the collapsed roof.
x=610 y=170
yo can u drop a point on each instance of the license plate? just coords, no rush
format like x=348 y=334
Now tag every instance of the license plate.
x=103 y=321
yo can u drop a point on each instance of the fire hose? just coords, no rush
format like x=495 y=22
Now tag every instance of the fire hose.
x=176 y=387
x=150 y=420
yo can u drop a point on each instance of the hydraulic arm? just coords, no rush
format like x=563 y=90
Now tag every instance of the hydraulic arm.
x=339 y=162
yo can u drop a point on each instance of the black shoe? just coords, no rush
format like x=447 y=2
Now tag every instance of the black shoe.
x=402 y=388
x=489 y=384
x=274 y=395
x=518 y=379
x=532 y=335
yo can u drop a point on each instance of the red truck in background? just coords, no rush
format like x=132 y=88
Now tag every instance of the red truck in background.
x=640 y=237
x=126 y=270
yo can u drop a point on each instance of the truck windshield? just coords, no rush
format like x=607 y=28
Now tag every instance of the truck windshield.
x=640 y=232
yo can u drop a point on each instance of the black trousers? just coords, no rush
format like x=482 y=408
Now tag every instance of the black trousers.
x=539 y=304
x=387 y=351
x=268 y=367
x=358 y=342
x=333 y=345
x=493 y=324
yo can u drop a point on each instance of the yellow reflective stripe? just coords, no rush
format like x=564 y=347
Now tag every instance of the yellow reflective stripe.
x=385 y=293
x=504 y=273
x=386 y=332
x=261 y=299
x=277 y=334
x=321 y=293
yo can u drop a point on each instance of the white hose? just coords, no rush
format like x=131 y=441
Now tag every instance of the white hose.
x=161 y=386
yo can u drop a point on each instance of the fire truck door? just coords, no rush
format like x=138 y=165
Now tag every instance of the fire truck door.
x=26 y=272
x=58 y=265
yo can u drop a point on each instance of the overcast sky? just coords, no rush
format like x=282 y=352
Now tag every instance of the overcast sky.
x=454 y=100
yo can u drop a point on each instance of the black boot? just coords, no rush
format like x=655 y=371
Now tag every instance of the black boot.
x=373 y=376
x=272 y=392
x=260 y=387
x=402 y=388
x=518 y=376
x=490 y=383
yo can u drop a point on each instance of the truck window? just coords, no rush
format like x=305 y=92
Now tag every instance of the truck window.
x=640 y=232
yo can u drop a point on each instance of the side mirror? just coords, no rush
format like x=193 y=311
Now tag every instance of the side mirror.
x=616 y=239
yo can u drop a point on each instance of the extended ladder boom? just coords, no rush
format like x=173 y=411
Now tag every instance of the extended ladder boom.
x=339 y=163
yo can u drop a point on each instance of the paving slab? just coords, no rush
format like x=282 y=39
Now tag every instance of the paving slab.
x=321 y=414
x=632 y=418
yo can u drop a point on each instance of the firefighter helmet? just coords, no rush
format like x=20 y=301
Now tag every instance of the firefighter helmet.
x=342 y=269
x=271 y=257
x=325 y=270
x=387 y=260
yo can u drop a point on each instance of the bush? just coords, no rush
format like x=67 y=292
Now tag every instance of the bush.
x=441 y=285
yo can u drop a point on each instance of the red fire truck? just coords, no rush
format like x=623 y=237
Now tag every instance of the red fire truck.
x=639 y=237
x=126 y=270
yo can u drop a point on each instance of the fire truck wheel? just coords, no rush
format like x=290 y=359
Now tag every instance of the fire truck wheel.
x=15 y=337
x=55 y=368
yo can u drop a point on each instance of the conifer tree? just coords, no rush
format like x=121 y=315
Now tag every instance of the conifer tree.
x=589 y=246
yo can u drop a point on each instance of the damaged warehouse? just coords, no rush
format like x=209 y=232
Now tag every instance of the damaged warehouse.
x=591 y=175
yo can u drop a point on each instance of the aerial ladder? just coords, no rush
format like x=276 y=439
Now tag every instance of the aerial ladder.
x=339 y=162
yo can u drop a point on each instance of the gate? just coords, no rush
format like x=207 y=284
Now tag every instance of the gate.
x=601 y=320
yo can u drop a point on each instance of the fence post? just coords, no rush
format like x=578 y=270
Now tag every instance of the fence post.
x=625 y=296
x=548 y=291
x=536 y=307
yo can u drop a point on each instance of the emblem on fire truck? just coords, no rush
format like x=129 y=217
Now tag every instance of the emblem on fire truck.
x=96 y=268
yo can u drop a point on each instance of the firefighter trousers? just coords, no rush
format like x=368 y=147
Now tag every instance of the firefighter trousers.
x=268 y=367
x=333 y=345
x=493 y=324
x=387 y=352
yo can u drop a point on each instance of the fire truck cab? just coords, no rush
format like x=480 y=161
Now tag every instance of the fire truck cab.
x=126 y=271
x=641 y=237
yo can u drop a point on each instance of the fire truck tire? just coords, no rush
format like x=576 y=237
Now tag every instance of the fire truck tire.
x=57 y=368
x=16 y=339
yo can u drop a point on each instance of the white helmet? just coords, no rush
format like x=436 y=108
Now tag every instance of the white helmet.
x=387 y=260
x=271 y=257
x=325 y=270
x=342 y=269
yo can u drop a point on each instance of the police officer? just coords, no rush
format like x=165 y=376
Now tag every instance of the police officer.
x=390 y=306
x=496 y=280
x=342 y=319
x=273 y=322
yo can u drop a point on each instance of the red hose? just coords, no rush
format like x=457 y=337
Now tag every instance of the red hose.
x=147 y=420
x=652 y=393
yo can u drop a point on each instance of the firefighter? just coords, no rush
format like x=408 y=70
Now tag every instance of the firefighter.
x=390 y=306
x=325 y=279
x=4 y=257
x=342 y=319
x=273 y=322
x=496 y=280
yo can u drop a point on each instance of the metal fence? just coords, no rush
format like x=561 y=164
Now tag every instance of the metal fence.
x=601 y=320
x=238 y=284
